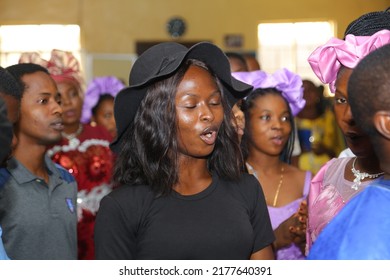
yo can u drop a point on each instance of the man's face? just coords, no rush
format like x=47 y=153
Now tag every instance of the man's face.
x=40 y=111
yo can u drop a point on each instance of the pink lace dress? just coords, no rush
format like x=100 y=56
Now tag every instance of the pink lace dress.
x=328 y=194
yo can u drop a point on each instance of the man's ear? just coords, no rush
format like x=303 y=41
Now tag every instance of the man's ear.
x=382 y=123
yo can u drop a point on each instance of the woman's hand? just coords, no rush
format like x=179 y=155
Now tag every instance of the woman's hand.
x=292 y=230
x=298 y=230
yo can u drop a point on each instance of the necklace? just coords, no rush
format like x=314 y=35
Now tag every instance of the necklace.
x=359 y=176
x=254 y=172
x=278 y=189
x=72 y=137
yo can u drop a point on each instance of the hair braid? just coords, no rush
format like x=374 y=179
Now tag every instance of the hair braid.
x=370 y=23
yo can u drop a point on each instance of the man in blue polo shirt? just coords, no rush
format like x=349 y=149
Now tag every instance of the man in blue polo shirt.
x=38 y=199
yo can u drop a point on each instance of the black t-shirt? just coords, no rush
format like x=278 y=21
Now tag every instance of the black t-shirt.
x=228 y=220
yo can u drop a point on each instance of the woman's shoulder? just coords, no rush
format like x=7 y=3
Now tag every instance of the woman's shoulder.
x=246 y=184
x=338 y=162
x=289 y=168
x=127 y=195
x=127 y=189
x=297 y=177
x=335 y=166
x=126 y=203
x=246 y=189
x=248 y=179
x=296 y=173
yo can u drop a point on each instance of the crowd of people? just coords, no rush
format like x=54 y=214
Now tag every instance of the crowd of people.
x=202 y=156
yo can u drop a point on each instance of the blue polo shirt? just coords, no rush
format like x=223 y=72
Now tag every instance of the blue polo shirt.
x=39 y=220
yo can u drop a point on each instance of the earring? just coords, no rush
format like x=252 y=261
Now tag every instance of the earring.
x=93 y=123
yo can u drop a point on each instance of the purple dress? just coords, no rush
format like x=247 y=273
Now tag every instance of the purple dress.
x=280 y=214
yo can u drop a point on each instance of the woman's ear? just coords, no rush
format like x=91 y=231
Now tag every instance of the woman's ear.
x=382 y=123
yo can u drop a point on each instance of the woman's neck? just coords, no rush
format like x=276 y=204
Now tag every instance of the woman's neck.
x=368 y=164
x=194 y=176
x=261 y=161
x=34 y=160
x=71 y=128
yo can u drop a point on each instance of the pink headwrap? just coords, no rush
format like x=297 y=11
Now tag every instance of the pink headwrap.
x=288 y=83
x=62 y=65
x=99 y=86
x=326 y=60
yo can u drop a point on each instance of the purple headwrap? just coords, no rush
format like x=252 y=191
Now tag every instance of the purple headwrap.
x=326 y=60
x=288 y=83
x=99 y=86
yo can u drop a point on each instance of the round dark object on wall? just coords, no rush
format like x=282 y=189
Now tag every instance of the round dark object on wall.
x=176 y=27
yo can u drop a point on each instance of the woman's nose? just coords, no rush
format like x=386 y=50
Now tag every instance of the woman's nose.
x=348 y=117
x=206 y=114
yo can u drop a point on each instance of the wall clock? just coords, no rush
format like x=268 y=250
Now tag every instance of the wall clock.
x=176 y=27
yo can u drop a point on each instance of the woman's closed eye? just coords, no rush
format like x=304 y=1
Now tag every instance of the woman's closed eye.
x=189 y=106
x=215 y=102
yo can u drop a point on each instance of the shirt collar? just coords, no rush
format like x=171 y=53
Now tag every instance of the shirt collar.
x=22 y=175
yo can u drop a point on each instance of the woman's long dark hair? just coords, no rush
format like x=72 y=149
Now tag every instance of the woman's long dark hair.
x=248 y=104
x=149 y=155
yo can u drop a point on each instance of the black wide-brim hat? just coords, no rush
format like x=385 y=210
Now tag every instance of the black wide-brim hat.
x=158 y=63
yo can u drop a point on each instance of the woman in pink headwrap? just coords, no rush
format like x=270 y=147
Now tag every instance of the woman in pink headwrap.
x=84 y=149
x=340 y=179
x=267 y=145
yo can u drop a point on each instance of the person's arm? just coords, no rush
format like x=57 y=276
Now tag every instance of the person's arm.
x=264 y=254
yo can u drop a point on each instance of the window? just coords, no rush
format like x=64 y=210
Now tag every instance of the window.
x=289 y=45
x=16 y=39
